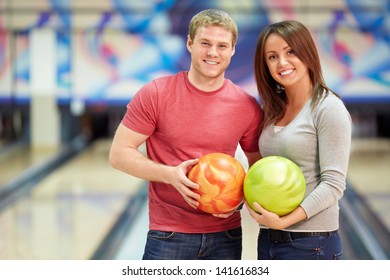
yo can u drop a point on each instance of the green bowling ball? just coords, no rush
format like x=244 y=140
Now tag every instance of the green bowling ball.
x=276 y=183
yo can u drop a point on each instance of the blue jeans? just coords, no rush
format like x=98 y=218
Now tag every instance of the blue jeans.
x=306 y=248
x=225 y=245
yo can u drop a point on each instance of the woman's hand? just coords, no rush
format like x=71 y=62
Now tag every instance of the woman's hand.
x=265 y=217
x=272 y=220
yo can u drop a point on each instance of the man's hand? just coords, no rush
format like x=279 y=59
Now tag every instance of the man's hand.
x=183 y=185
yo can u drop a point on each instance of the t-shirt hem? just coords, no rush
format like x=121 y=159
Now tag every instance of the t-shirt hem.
x=192 y=230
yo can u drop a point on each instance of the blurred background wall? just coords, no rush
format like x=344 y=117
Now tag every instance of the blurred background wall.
x=105 y=50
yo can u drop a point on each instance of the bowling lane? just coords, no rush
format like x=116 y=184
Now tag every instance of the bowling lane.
x=73 y=209
x=369 y=173
x=68 y=213
x=19 y=158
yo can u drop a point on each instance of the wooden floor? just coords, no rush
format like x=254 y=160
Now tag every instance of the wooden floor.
x=70 y=211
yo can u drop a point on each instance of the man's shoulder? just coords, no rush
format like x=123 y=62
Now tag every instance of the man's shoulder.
x=241 y=91
x=169 y=78
x=162 y=82
x=237 y=86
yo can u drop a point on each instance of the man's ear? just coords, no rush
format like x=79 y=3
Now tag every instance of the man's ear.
x=189 y=43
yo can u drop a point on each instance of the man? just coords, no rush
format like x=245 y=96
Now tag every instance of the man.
x=182 y=117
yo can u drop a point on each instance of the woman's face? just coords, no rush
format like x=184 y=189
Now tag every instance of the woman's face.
x=285 y=67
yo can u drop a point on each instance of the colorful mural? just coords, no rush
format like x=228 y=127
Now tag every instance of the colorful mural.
x=106 y=50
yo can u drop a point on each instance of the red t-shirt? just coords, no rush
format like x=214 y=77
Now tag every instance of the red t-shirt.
x=184 y=123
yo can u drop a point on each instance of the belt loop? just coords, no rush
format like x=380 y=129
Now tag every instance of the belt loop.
x=286 y=236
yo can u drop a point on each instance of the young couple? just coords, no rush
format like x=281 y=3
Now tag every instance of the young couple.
x=192 y=113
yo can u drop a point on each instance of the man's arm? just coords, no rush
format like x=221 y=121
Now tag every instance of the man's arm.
x=125 y=156
x=252 y=157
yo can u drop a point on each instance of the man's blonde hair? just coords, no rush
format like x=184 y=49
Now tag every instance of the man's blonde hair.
x=215 y=17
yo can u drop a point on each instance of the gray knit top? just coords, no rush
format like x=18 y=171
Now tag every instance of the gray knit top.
x=318 y=140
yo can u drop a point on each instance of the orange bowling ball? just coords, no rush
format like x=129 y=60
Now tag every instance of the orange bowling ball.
x=220 y=178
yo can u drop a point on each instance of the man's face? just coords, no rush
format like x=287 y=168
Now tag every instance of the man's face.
x=211 y=51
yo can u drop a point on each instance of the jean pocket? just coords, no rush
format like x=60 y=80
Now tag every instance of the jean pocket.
x=157 y=234
x=337 y=256
x=235 y=233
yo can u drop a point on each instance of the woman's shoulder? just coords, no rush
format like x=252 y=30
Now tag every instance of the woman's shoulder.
x=330 y=100
x=331 y=106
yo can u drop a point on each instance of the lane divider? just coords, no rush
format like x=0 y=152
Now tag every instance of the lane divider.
x=364 y=235
x=112 y=243
x=15 y=189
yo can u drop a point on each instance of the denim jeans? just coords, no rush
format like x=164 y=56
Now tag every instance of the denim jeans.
x=305 y=248
x=225 y=245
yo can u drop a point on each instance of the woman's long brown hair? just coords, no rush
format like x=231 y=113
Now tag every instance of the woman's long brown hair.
x=272 y=95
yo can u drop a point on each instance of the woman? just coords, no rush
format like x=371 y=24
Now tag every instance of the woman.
x=307 y=123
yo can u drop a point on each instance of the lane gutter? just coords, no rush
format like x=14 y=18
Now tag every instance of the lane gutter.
x=15 y=189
